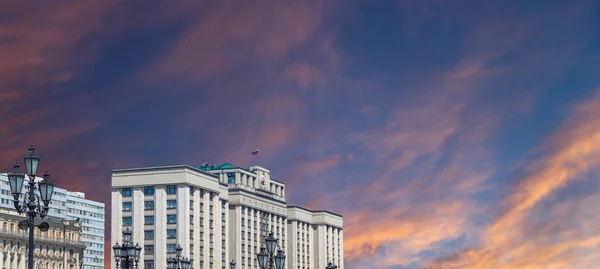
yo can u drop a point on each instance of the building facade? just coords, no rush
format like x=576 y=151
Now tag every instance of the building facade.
x=59 y=247
x=257 y=206
x=170 y=206
x=217 y=213
x=91 y=215
x=70 y=207
x=316 y=237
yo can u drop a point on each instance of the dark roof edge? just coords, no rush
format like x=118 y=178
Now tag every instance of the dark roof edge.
x=315 y=211
x=278 y=181
x=164 y=168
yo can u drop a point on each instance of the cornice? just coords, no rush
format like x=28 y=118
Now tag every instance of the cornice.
x=160 y=170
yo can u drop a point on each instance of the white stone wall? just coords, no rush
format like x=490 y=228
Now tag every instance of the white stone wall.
x=248 y=193
x=116 y=221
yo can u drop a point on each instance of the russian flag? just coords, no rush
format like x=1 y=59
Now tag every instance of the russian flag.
x=255 y=152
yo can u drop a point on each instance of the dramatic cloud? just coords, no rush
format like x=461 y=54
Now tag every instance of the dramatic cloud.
x=450 y=134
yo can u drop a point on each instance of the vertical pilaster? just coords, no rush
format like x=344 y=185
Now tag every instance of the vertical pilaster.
x=116 y=221
x=341 y=265
x=183 y=217
x=217 y=231
x=196 y=240
x=205 y=230
x=160 y=229
x=137 y=212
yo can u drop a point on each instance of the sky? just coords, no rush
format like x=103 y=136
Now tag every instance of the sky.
x=448 y=133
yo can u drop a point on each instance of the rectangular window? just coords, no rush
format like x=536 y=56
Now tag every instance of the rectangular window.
x=171 y=204
x=149 y=264
x=126 y=192
x=148 y=220
x=230 y=177
x=171 y=189
x=172 y=219
x=149 y=249
x=148 y=205
x=149 y=190
x=171 y=248
x=171 y=233
x=127 y=206
x=191 y=204
x=191 y=190
x=149 y=235
x=127 y=220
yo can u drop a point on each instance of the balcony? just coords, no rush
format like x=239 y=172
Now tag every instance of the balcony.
x=44 y=238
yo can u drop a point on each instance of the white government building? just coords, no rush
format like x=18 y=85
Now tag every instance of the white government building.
x=78 y=243
x=215 y=213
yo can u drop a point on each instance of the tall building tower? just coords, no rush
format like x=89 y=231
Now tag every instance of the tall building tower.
x=69 y=207
x=91 y=215
x=218 y=213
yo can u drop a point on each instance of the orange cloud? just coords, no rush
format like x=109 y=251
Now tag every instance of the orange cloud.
x=509 y=243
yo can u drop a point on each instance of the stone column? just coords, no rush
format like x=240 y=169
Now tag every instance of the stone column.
x=218 y=256
x=116 y=222
x=205 y=230
x=183 y=219
x=197 y=215
x=23 y=263
x=160 y=229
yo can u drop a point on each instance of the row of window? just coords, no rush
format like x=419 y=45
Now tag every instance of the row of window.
x=86 y=205
x=170 y=189
x=86 y=213
x=149 y=220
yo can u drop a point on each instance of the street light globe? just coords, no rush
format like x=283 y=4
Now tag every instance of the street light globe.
x=127 y=236
x=185 y=264
x=32 y=162
x=138 y=250
x=262 y=258
x=46 y=188
x=280 y=259
x=171 y=263
x=117 y=250
x=15 y=180
x=271 y=243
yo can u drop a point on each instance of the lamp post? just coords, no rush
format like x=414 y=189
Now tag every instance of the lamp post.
x=32 y=204
x=331 y=266
x=179 y=262
x=232 y=264
x=127 y=255
x=267 y=259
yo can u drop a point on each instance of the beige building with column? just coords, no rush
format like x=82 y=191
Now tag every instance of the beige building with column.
x=59 y=247
x=316 y=237
x=167 y=206
x=217 y=213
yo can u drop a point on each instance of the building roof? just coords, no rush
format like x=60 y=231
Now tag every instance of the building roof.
x=223 y=166
x=315 y=211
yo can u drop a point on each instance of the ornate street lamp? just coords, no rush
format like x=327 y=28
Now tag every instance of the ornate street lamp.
x=178 y=262
x=31 y=204
x=232 y=264
x=267 y=258
x=127 y=255
x=331 y=266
